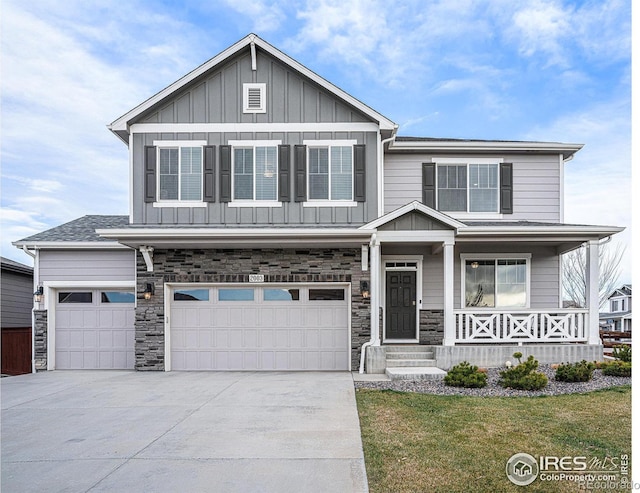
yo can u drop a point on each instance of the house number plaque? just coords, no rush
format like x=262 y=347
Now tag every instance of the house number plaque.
x=256 y=278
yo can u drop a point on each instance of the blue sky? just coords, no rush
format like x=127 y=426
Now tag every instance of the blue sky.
x=504 y=69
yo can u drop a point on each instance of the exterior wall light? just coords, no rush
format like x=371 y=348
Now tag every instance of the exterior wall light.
x=475 y=265
x=148 y=292
x=364 y=289
x=38 y=296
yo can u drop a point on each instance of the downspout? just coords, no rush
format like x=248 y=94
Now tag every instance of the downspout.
x=36 y=276
x=375 y=339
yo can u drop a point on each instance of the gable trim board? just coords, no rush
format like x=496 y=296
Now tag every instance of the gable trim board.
x=121 y=125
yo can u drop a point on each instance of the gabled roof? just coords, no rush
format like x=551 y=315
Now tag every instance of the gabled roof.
x=81 y=231
x=121 y=124
x=414 y=206
x=625 y=290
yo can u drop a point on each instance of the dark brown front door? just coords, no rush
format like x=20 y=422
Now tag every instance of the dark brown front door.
x=401 y=305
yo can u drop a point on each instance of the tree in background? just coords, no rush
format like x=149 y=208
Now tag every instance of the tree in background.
x=574 y=273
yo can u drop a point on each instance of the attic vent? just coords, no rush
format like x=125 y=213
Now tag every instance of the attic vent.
x=254 y=96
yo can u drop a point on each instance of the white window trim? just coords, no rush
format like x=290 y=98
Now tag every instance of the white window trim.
x=329 y=144
x=466 y=162
x=252 y=202
x=170 y=144
x=495 y=256
x=263 y=97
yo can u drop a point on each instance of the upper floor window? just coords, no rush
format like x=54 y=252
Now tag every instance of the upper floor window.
x=330 y=171
x=180 y=173
x=255 y=170
x=471 y=187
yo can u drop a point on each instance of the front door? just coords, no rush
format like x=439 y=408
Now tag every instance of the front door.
x=401 y=305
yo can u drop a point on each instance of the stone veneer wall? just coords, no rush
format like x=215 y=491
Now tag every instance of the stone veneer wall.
x=431 y=327
x=220 y=266
x=40 y=339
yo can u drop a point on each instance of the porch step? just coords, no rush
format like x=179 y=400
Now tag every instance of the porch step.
x=410 y=355
x=408 y=349
x=415 y=373
x=404 y=363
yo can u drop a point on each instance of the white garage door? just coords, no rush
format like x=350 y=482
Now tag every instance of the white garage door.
x=95 y=329
x=259 y=328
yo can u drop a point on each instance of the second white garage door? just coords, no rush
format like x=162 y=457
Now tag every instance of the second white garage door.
x=289 y=327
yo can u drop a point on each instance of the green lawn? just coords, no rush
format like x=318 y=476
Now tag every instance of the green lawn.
x=427 y=443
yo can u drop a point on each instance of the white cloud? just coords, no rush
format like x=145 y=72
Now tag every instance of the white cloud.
x=265 y=16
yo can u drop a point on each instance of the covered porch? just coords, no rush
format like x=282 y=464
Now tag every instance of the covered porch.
x=426 y=283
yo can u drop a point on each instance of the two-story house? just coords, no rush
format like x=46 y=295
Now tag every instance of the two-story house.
x=618 y=317
x=278 y=223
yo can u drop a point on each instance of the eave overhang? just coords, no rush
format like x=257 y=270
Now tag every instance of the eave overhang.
x=485 y=147
x=120 y=127
x=237 y=237
x=70 y=245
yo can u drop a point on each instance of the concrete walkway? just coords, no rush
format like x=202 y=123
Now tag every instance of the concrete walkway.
x=79 y=431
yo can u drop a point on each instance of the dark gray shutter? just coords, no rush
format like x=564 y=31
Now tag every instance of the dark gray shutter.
x=225 y=173
x=359 y=176
x=150 y=173
x=506 y=188
x=208 y=175
x=284 y=173
x=429 y=184
x=300 y=158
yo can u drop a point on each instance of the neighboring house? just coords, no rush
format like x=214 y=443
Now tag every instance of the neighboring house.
x=16 y=304
x=618 y=318
x=278 y=223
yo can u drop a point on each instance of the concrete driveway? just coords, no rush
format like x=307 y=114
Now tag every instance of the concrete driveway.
x=180 y=432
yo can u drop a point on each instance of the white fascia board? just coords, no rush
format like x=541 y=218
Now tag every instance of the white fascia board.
x=141 y=128
x=547 y=231
x=414 y=206
x=200 y=233
x=482 y=146
x=122 y=122
x=71 y=245
x=415 y=236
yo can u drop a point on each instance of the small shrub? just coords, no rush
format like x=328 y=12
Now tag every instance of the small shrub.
x=465 y=375
x=617 y=368
x=622 y=352
x=523 y=376
x=575 y=372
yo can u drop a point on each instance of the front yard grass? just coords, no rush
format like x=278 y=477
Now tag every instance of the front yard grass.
x=429 y=443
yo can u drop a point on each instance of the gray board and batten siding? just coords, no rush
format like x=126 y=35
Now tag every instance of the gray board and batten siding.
x=537 y=183
x=216 y=97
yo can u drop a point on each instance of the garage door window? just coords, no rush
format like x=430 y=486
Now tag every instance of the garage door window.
x=326 y=294
x=117 y=297
x=191 y=295
x=235 y=295
x=75 y=297
x=281 y=295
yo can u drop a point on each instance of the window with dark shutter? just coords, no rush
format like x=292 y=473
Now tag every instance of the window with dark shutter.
x=300 y=158
x=225 y=173
x=429 y=184
x=284 y=173
x=150 y=157
x=208 y=179
x=360 y=175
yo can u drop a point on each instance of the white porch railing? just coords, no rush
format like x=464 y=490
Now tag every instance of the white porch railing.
x=502 y=326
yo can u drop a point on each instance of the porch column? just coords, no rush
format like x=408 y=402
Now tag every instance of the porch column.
x=375 y=291
x=449 y=317
x=592 y=292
